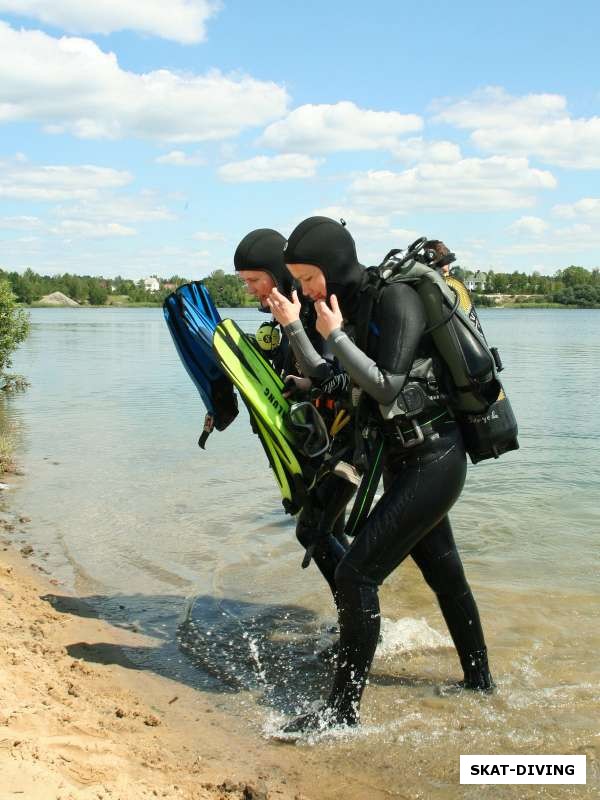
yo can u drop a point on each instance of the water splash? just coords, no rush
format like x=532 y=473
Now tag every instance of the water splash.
x=409 y=635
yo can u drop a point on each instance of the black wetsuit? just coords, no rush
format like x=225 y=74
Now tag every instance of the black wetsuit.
x=421 y=483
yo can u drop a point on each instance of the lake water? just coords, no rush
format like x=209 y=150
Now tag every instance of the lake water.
x=131 y=514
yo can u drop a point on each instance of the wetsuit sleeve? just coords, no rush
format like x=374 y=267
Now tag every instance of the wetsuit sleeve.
x=398 y=324
x=311 y=363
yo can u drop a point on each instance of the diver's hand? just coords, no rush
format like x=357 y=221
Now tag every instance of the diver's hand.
x=284 y=311
x=295 y=384
x=329 y=319
x=337 y=385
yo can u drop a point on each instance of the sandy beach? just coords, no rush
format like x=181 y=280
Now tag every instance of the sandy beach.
x=73 y=727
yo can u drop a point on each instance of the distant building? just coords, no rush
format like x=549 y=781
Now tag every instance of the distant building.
x=170 y=286
x=476 y=282
x=151 y=284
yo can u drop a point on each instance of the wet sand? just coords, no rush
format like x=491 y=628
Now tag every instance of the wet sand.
x=73 y=727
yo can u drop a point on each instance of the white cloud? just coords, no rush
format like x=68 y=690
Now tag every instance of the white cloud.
x=402 y=237
x=529 y=226
x=177 y=158
x=565 y=242
x=492 y=107
x=113 y=256
x=69 y=228
x=417 y=149
x=180 y=20
x=532 y=125
x=20 y=181
x=355 y=218
x=577 y=243
x=343 y=126
x=21 y=223
x=568 y=143
x=367 y=226
x=81 y=229
x=586 y=207
x=69 y=84
x=471 y=184
x=130 y=208
x=269 y=168
x=207 y=236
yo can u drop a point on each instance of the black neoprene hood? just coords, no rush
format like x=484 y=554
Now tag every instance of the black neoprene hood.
x=325 y=243
x=262 y=249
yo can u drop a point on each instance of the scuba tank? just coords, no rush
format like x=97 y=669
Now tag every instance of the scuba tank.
x=495 y=432
x=478 y=400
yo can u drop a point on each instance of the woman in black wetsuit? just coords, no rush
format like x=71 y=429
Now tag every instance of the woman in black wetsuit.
x=422 y=482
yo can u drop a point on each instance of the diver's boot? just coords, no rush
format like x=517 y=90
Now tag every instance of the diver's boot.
x=359 y=617
x=342 y=705
x=478 y=677
x=335 y=712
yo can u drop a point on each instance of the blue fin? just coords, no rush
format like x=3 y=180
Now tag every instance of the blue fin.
x=191 y=317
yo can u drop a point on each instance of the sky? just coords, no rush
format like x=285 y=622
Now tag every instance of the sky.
x=149 y=138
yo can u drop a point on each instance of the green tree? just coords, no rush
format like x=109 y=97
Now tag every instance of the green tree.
x=14 y=325
x=575 y=276
x=97 y=293
x=228 y=291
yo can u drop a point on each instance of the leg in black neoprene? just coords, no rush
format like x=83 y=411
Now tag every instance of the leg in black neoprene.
x=438 y=559
x=413 y=503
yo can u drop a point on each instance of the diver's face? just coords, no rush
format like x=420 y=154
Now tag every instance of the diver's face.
x=258 y=283
x=312 y=280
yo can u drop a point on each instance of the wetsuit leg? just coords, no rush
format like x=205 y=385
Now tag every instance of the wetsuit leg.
x=438 y=559
x=414 y=503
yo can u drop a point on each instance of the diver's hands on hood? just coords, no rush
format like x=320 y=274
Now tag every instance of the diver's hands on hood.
x=284 y=310
x=329 y=318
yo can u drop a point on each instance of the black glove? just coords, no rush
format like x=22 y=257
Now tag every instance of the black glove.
x=296 y=385
x=336 y=385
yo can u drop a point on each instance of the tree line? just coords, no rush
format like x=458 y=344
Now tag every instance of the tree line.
x=575 y=286
x=29 y=288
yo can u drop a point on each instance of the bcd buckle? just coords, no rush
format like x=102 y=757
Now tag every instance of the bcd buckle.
x=411 y=441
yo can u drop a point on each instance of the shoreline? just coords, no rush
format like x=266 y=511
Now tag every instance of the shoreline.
x=525 y=306
x=79 y=721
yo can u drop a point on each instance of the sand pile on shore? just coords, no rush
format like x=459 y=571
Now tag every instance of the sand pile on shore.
x=71 y=729
x=57 y=299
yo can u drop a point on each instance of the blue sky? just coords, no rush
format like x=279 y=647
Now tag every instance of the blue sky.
x=148 y=138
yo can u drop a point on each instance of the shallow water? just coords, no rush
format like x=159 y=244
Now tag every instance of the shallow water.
x=131 y=514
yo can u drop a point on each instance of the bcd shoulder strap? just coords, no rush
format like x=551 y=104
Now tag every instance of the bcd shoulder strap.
x=369 y=298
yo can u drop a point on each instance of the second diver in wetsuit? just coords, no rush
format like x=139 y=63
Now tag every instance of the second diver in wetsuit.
x=422 y=481
x=259 y=261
